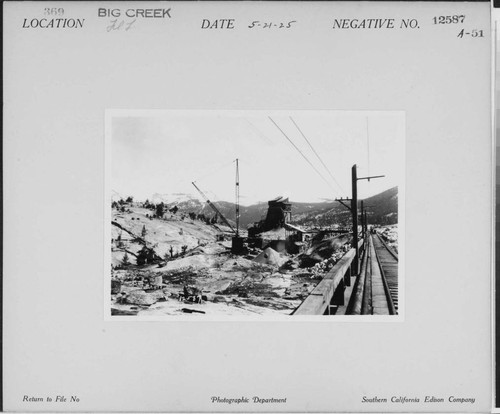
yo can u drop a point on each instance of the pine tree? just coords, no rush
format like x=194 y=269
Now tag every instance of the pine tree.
x=119 y=242
x=150 y=256
x=125 y=260
x=142 y=256
x=144 y=232
x=160 y=210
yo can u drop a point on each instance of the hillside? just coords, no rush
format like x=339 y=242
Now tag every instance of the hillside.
x=382 y=209
x=133 y=229
x=177 y=264
x=172 y=258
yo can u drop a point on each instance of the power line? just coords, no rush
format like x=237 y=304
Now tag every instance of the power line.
x=301 y=153
x=259 y=132
x=317 y=155
x=213 y=172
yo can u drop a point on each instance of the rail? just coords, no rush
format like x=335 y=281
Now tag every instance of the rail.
x=390 y=302
x=367 y=296
x=389 y=249
x=357 y=303
x=330 y=290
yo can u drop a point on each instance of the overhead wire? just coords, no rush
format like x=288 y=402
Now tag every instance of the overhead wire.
x=213 y=172
x=317 y=155
x=302 y=154
x=259 y=132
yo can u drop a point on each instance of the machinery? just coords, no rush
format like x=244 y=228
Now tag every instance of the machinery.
x=237 y=241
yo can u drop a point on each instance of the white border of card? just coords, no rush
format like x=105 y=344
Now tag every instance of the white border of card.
x=70 y=68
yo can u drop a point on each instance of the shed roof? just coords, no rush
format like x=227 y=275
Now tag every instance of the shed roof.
x=289 y=226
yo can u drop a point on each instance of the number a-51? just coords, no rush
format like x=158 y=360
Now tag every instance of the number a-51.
x=472 y=33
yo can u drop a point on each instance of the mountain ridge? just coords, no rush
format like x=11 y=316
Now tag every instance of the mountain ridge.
x=382 y=208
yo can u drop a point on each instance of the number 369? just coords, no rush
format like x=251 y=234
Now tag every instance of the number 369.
x=53 y=11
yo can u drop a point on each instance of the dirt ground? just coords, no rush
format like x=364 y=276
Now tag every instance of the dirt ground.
x=207 y=279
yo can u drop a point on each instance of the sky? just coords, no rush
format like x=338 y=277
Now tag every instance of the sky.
x=164 y=152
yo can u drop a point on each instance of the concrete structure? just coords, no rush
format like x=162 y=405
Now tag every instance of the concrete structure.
x=279 y=212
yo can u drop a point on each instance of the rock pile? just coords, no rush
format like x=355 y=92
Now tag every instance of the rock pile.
x=140 y=297
x=269 y=256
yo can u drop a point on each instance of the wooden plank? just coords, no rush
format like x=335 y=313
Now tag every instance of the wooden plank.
x=319 y=299
x=388 y=265
x=379 y=294
x=342 y=310
x=357 y=301
x=366 y=309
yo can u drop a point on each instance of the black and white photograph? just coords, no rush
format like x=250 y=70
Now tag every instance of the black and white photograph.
x=248 y=206
x=248 y=214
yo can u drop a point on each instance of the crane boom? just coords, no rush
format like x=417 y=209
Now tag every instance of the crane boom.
x=213 y=207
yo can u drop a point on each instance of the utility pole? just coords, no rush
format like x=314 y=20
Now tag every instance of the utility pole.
x=363 y=223
x=354 y=210
x=354 y=204
x=354 y=213
x=237 y=199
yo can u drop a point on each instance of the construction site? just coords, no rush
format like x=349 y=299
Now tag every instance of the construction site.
x=195 y=256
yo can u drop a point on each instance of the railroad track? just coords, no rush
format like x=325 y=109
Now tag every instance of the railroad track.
x=388 y=262
x=375 y=291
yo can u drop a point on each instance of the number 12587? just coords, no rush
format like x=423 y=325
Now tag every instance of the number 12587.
x=455 y=19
